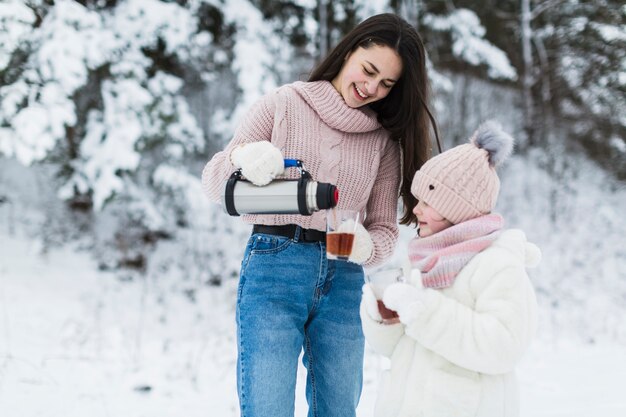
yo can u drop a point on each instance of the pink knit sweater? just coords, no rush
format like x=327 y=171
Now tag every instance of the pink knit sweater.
x=337 y=144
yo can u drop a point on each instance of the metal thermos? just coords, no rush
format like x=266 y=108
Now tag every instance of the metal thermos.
x=299 y=196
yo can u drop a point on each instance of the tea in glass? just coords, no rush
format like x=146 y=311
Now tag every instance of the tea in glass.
x=340 y=230
x=379 y=280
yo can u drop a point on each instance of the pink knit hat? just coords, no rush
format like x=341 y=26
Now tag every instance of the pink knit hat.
x=461 y=183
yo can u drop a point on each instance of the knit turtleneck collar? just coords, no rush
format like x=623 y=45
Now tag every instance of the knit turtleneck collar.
x=333 y=110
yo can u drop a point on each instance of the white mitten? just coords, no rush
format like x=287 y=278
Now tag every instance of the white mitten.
x=371 y=305
x=363 y=246
x=260 y=162
x=407 y=300
x=415 y=278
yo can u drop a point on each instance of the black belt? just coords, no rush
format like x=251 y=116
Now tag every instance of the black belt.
x=289 y=230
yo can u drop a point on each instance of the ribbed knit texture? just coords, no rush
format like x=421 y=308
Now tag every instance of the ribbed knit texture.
x=441 y=256
x=459 y=183
x=338 y=145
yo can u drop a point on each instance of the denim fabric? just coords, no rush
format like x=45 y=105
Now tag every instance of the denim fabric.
x=290 y=298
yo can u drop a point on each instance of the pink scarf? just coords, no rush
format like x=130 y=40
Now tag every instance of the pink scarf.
x=441 y=257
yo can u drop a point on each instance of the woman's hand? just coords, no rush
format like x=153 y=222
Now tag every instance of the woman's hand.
x=260 y=162
x=362 y=247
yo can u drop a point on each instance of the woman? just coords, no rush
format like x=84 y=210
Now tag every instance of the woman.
x=363 y=107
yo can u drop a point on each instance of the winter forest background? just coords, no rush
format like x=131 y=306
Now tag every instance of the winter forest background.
x=118 y=278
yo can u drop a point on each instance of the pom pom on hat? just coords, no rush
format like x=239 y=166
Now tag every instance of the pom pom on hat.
x=498 y=144
x=461 y=183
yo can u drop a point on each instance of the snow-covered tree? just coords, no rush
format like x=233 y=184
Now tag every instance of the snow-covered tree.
x=589 y=75
x=571 y=57
x=469 y=45
x=104 y=91
x=90 y=91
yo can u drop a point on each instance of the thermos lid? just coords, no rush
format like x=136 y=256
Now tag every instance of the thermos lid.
x=327 y=196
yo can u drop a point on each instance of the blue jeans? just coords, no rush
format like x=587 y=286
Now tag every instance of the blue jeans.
x=292 y=298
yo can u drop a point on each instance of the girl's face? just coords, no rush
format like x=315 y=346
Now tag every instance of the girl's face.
x=429 y=220
x=368 y=75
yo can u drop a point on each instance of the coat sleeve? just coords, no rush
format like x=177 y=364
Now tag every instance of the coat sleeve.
x=490 y=337
x=383 y=338
x=382 y=215
x=257 y=125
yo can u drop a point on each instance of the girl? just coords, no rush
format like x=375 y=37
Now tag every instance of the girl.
x=363 y=107
x=470 y=311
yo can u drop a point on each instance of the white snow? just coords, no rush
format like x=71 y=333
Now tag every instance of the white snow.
x=78 y=342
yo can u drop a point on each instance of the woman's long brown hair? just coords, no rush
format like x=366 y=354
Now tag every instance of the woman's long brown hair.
x=405 y=111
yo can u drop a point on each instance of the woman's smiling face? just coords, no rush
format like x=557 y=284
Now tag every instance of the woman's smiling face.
x=368 y=75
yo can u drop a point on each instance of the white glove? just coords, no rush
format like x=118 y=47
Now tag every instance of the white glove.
x=415 y=278
x=260 y=162
x=363 y=246
x=407 y=300
x=371 y=305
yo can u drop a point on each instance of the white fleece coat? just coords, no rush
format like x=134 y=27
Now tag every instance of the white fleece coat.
x=457 y=357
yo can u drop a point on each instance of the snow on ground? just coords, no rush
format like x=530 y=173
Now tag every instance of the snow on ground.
x=75 y=341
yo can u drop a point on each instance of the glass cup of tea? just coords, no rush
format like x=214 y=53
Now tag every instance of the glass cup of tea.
x=340 y=230
x=379 y=280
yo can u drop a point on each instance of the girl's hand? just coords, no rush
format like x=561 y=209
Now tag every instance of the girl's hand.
x=407 y=300
x=370 y=303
